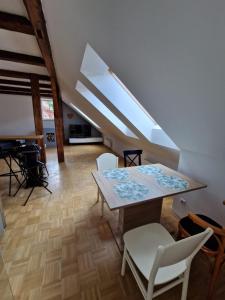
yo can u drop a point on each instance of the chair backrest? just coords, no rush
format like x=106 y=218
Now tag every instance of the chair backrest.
x=176 y=252
x=107 y=161
x=6 y=147
x=218 y=230
x=29 y=159
x=132 y=157
x=205 y=222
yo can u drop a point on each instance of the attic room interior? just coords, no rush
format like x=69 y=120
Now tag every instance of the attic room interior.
x=112 y=150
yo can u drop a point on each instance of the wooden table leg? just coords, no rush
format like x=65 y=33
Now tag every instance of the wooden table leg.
x=43 y=153
x=138 y=215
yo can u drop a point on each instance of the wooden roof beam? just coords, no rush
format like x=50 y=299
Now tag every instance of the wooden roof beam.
x=24 y=94
x=38 y=120
x=15 y=23
x=15 y=93
x=23 y=83
x=21 y=58
x=36 y=16
x=17 y=74
x=22 y=89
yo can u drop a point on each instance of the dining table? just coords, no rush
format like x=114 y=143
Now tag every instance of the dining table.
x=21 y=137
x=37 y=138
x=137 y=193
x=7 y=152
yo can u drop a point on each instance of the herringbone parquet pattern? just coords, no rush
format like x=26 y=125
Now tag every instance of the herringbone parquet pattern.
x=58 y=247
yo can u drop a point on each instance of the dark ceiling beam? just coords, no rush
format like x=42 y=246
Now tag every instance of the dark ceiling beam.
x=23 y=83
x=17 y=74
x=15 y=82
x=22 y=58
x=24 y=94
x=14 y=93
x=16 y=88
x=36 y=16
x=15 y=23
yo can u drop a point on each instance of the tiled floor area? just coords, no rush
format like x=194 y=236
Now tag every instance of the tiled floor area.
x=58 y=247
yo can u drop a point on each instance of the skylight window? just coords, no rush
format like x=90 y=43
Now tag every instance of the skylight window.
x=91 y=98
x=107 y=82
x=132 y=96
x=84 y=116
x=96 y=70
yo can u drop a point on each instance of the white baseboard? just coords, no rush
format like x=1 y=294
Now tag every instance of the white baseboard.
x=85 y=140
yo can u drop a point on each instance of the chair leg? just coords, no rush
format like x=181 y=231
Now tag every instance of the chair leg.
x=185 y=284
x=44 y=186
x=10 y=177
x=11 y=173
x=178 y=234
x=181 y=233
x=216 y=271
x=102 y=207
x=123 y=269
x=29 y=196
x=19 y=187
x=48 y=190
x=46 y=169
x=149 y=294
x=98 y=194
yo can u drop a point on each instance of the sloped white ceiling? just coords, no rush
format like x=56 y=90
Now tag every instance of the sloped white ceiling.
x=70 y=25
x=19 y=42
x=9 y=65
x=68 y=42
x=13 y=7
x=170 y=54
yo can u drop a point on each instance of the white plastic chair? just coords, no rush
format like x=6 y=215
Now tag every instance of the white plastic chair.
x=105 y=161
x=160 y=259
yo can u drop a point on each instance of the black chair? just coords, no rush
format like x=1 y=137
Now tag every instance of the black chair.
x=132 y=157
x=37 y=148
x=34 y=171
x=7 y=151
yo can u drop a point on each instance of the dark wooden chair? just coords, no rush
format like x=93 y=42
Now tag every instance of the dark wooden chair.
x=34 y=171
x=214 y=247
x=7 y=154
x=132 y=157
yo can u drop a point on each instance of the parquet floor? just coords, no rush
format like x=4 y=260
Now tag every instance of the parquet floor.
x=57 y=247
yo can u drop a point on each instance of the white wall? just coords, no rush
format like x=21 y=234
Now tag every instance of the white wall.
x=151 y=153
x=16 y=115
x=75 y=119
x=170 y=55
x=48 y=123
x=210 y=170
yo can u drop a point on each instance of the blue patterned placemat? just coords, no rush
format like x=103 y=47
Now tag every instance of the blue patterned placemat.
x=131 y=190
x=172 y=182
x=118 y=174
x=149 y=170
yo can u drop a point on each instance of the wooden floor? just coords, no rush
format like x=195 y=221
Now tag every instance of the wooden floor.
x=58 y=247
